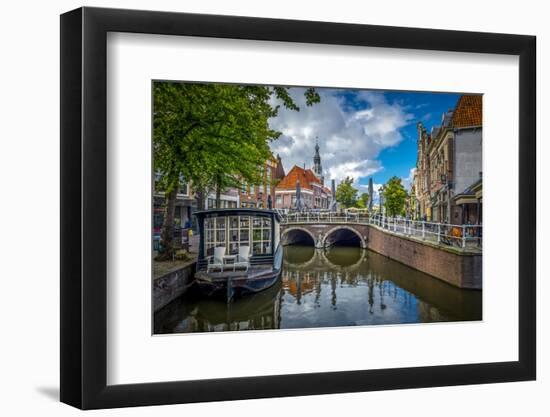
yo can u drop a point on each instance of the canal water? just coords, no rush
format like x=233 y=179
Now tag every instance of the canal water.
x=341 y=286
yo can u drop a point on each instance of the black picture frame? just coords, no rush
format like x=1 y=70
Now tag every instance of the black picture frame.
x=84 y=207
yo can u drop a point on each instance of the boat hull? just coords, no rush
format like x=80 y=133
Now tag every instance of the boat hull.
x=235 y=285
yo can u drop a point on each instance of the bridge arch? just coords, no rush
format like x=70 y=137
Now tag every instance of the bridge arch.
x=297 y=234
x=348 y=232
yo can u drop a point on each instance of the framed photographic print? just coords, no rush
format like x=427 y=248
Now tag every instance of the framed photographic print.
x=244 y=197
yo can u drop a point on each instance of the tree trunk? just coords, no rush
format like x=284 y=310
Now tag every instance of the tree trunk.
x=167 y=233
x=218 y=197
x=199 y=195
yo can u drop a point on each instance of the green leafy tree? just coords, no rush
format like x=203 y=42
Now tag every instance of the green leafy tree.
x=346 y=194
x=362 y=201
x=214 y=136
x=395 y=197
x=359 y=204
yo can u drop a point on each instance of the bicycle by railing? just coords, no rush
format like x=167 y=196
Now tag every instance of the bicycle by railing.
x=459 y=235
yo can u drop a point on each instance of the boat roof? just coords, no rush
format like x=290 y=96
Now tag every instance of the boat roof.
x=239 y=212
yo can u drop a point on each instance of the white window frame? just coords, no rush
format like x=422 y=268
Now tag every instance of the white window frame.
x=261 y=224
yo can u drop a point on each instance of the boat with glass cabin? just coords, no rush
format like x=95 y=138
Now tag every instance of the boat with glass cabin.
x=239 y=251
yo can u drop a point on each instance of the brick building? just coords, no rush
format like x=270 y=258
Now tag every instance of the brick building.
x=256 y=195
x=447 y=181
x=313 y=192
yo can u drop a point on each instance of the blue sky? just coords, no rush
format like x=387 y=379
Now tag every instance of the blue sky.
x=361 y=133
x=425 y=107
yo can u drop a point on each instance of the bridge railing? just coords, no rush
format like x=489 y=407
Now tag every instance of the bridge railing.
x=458 y=235
x=323 y=217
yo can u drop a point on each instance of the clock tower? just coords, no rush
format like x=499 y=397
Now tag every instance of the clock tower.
x=317 y=167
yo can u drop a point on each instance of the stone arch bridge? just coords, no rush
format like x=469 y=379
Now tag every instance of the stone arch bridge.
x=398 y=240
x=323 y=235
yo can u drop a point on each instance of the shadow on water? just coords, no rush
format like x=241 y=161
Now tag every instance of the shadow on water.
x=341 y=286
x=193 y=313
x=341 y=256
x=298 y=255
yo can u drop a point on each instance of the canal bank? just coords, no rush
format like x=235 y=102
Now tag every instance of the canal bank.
x=459 y=267
x=173 y=283
x=172 y=279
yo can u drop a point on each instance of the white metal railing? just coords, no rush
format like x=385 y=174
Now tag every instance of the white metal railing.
x=458 y=235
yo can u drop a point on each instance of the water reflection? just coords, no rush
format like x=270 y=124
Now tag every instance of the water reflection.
x=340 y=287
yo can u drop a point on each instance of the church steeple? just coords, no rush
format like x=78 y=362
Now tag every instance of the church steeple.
x=317 y=168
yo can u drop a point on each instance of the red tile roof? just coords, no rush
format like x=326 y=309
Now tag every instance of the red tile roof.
x=468 y=111
x=306 y=177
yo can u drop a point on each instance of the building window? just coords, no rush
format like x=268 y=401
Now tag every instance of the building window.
x=252 y=189
x=184 y=187
x=158 y=176
x=279 y=200
x=243 y=187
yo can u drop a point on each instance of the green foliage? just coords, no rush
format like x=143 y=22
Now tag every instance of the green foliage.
x=346 y=195
x=362 y=201
x=213 y=135
x=209 y=133
x=395 y=197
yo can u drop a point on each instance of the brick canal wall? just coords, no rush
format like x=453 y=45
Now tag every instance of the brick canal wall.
x=173 y=284
x=459 y=268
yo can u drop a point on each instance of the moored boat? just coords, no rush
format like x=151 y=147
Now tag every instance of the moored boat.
x=239 y=251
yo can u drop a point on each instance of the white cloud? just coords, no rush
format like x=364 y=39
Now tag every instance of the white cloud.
x=407 y=181
x=354 y=169
x=364 y=188
x=350 y=140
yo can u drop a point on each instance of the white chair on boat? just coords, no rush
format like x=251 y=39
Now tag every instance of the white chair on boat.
x=216 y=261
x=243 y=259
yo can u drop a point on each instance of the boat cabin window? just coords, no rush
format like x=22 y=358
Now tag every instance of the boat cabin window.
x=239 y=233
x=234 y=231
x=215 y=234
x=261 y=234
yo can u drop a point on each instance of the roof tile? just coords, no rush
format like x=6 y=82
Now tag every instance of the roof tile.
x=468 y=111
x=306 y=177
